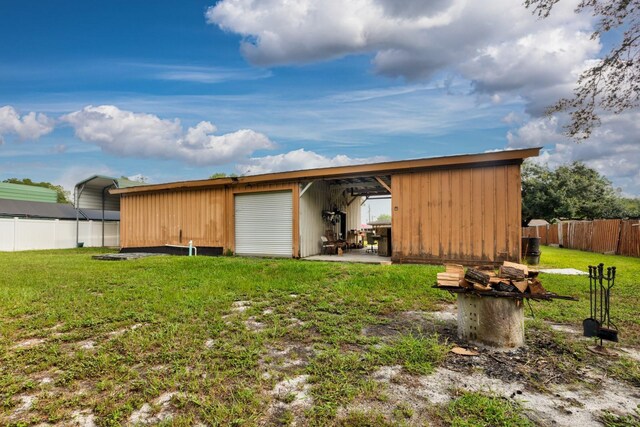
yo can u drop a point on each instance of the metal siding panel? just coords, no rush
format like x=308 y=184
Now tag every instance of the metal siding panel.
x=264 y=223
x=312 y=203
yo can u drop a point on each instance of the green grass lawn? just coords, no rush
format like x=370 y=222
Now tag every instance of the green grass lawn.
x=104 y=338
x=625 y=297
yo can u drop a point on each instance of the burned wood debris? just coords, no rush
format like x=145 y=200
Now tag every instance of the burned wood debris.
x=511 y=280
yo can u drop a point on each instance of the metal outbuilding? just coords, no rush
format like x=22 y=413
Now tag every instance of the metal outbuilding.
x=93 y=200
x=464 y=208
x=29 y=193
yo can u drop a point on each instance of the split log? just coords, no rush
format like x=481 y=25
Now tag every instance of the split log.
x=518 y=266
x=448 y=276
x=448 y=279
x=482 y=288
x=449 y=283
x=535 y=287
x=512 y=273
x=454 y=269
x=522 y=285
x=465 y=284
x=477 y=276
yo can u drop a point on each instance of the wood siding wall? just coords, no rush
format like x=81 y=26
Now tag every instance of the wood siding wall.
x=464 y=215
x=156 y=219
x=205 y=216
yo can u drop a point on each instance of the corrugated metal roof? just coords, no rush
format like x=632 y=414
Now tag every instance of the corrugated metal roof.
x=96 y=214
x=126 y=183
x=28 y=209
x=27 y=192
x=91 y=191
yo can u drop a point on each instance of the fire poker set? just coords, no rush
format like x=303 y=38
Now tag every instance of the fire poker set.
x=599 y=325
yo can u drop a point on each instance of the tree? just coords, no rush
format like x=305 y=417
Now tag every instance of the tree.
x=572 y=191
x=63 y=196
x=613 y=83
x=222 y=175
x=384 y=217
x=631 y=207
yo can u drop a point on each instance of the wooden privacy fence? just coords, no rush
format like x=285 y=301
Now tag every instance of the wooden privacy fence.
x=614 y=236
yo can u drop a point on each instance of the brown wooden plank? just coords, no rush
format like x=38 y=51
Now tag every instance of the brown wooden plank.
x=415 y=214
x=447 y=223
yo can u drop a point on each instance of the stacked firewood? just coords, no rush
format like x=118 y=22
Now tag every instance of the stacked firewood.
x=510 y=277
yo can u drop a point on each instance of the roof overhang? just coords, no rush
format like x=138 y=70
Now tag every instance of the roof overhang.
x=372 y=169
x=98 y=182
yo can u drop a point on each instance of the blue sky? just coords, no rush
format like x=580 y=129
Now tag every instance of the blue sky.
x=124 y=87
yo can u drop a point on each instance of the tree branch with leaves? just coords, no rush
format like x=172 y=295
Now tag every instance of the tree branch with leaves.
x=613 y=83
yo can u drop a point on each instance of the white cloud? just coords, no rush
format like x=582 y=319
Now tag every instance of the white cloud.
x=129 y=134
x=536 y=133
x=29 y=126
x=298 y=160
x=499 y=45
x=613 y=149
x=139 y=178
x=512 y=118
x=206 y=75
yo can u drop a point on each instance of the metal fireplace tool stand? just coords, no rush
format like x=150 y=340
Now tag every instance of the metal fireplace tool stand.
x=599 y=324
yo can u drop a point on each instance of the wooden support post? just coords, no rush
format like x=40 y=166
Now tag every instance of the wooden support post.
x=384 y=184
x=306 y=188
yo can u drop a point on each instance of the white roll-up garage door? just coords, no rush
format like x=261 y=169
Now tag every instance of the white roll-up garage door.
x=264 y=224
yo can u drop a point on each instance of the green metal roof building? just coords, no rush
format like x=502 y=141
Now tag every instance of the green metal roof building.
x=27 y=193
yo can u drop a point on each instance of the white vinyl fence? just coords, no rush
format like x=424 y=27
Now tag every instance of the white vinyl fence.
x=19 y=234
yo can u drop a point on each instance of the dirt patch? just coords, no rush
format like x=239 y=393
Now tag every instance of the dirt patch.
x=420 y=322
x=291 y=396
x=83 y=418
x=285 y=360
x=154 y=413
x=121 y=331
x=448 y=314
x=28 y=343
x=294 y=322
x=253 y=325
x=87 y=345
x=26 y=403
x=565 y=405
x=631 y=353
x=209 y=343
x=83 y=388
x=240 y=306
x=543 y=360
x=547 y=376
x=46 y=380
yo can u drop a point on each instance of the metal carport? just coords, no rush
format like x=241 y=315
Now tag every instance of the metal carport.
x=93 y=194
